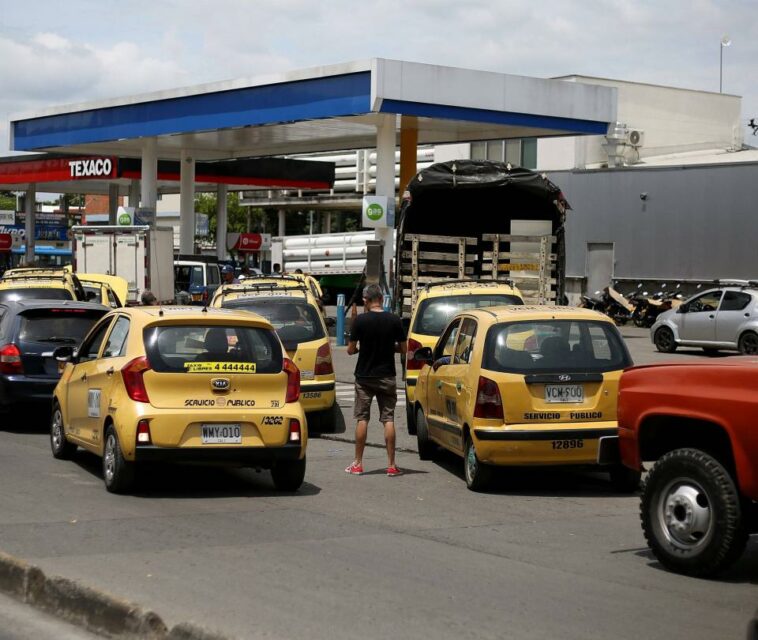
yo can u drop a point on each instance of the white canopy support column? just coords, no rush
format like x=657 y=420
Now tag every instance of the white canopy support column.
x=187 y=203
x=149 y=183
x=221 y=222
x=112 y=203
x=30 y=208
x=385 y=180
x=134 y=193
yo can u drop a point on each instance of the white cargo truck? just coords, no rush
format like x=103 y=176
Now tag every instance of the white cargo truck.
x=142 y=255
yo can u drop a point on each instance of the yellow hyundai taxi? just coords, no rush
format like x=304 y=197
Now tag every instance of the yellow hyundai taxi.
x=523 y=385
x=26 y=283
x=179 y=384
x=295 y=316
x=436 y=304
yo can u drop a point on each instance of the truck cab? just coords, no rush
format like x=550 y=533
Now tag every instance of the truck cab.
x=196 y=278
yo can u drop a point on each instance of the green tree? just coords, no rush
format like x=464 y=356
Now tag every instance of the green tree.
x=7 y=201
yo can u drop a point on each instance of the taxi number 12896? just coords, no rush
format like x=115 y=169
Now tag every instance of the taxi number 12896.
x=568 y=444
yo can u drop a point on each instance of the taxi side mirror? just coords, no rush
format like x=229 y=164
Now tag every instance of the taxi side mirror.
x=424 y=354
x=64 y=354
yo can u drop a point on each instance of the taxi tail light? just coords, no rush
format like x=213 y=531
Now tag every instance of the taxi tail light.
x=489 y=404
x=143 y=432
x=294 y=430
x=10 y=360
x=323 y=361
x=410 y=363
x=134 y=382
x=293 y=380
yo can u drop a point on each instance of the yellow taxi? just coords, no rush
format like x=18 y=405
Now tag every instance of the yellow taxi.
x=523 y=385
x=179 y=384
x=436 y=304
x=294 y=314
x=26 y=283
x=110 y=291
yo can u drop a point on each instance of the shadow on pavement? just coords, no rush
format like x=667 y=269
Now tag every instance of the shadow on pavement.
x=26 y=420
x=196 y=481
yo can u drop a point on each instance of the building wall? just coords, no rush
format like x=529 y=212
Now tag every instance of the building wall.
x=695 y=223
x=673 y=120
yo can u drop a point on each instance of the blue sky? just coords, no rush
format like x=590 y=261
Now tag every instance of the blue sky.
x=56 y=52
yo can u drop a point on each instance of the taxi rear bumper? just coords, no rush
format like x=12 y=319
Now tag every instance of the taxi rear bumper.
x=317 y=396
x=264 y=457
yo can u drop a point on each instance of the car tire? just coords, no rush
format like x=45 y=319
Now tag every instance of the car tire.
x=62 y=448
x=410 y=418
x=691 y=514
x=748 y=344
x=118 y=473
x=624 y=479
x=477 y=474
x=664 y=340
x=288 y=475
x=426 y=447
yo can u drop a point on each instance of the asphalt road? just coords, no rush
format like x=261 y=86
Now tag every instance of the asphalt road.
x=549 y=554
x=20 y=622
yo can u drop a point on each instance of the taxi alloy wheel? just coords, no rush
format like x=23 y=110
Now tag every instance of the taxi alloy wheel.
x=118 y=473
x=691 y=514
x=288 y=475
x=62 y=448
x=478 y=475
x=426 y=447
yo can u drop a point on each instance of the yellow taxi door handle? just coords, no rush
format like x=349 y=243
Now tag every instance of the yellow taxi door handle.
x=458 y=386
x=110 y=371
x=84 y=377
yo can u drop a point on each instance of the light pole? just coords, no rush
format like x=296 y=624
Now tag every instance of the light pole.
x=725 y=42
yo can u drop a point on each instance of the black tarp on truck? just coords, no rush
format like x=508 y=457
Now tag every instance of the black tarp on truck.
x=467 y=219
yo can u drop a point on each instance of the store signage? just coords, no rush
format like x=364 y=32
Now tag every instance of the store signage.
x=378 y=211
x=7 y=217
x=248 y=241
x=6 y=242
x=91 y=168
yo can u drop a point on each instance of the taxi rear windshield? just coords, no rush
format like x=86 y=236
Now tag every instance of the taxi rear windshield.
x=295 y=320
x=434 y=314
x=550 y=346
x=35 y=293
x=173 y=348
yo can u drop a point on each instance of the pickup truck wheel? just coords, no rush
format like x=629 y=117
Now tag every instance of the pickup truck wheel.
x=288 y=475
x=478 y=475
x=62 y=448
x=410 y=419
x=664 y=340
x=624 y=479
x=118 y=473
x=691 y=513
x=749 y=344
x=426 y=447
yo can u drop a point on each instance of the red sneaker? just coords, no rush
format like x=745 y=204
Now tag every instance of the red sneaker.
x=393 y=471
x=355 y=469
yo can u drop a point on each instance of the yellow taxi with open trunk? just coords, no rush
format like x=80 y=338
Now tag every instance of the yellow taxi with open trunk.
x=522 y=386
x=295 y=315
x=435 y=306
x=180 y=384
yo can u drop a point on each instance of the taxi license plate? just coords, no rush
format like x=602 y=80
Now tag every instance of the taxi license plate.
x=221 y=434
x=564 y=393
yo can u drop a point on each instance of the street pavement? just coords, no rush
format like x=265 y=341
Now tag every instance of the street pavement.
x=20 y=622
x=547 y=554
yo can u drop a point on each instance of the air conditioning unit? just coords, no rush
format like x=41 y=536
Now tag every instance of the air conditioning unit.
x=635 y=137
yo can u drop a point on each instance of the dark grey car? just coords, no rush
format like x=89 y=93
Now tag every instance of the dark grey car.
x=721 y=318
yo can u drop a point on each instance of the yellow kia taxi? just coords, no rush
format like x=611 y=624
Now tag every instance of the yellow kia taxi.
x=179 y=384
x=523 y=385
x=291 y=280
x=435 y=306
x=295 y=316
x=25 y=283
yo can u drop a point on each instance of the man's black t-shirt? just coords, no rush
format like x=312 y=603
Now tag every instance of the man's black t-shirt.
x=377 y=332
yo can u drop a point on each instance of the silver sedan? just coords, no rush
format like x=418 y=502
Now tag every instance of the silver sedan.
x=722 y=318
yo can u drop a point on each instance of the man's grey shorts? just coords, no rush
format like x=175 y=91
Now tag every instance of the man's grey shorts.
x=383 y=389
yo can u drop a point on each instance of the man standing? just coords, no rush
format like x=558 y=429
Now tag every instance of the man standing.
x=227 y=275
x=375 y=336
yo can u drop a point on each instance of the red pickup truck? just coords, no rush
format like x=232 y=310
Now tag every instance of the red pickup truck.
x=699 y=423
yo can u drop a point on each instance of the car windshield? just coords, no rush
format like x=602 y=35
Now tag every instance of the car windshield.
x=64 y=326
x=186 y=276
x=35 y=293
x=540 y=346
x=212 y=348
x=295 y=320
x=434 y=314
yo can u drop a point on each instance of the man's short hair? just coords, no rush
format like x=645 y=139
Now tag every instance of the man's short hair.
x=148 y=298
x=373 y=292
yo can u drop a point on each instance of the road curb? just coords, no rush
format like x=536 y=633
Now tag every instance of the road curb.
x=94 y=610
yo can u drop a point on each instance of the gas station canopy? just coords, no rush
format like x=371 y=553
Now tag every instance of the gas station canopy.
x=320 y=109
